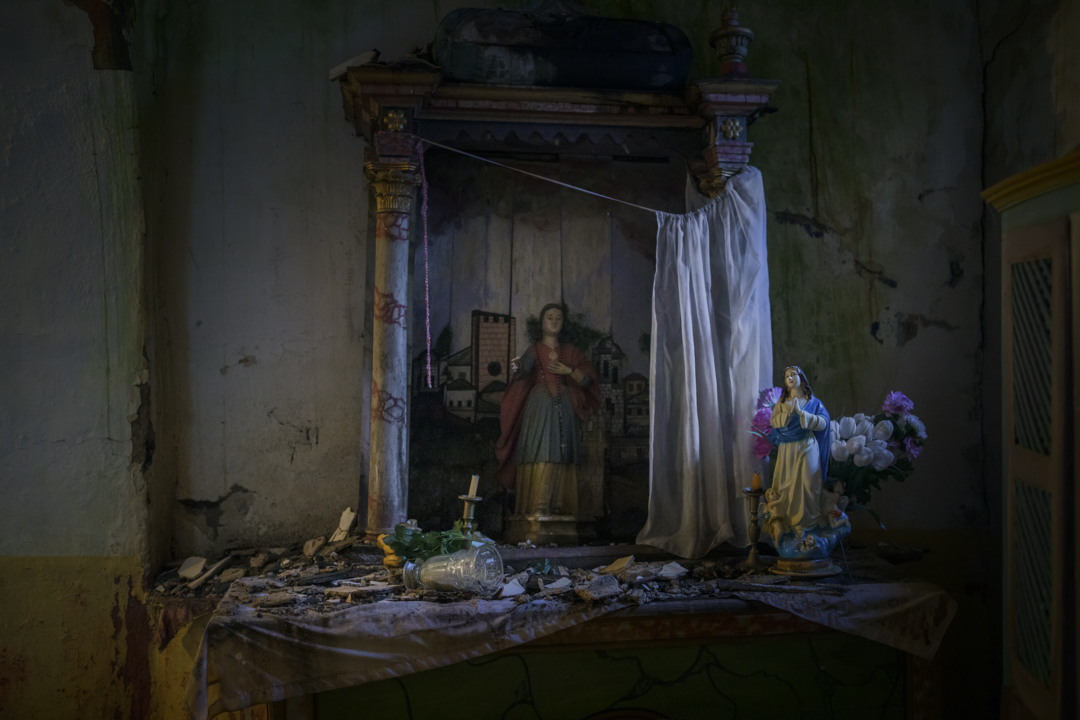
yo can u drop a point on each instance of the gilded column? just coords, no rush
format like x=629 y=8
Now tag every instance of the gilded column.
x=388 y=475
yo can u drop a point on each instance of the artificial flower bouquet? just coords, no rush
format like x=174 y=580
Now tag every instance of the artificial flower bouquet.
x=865 y=450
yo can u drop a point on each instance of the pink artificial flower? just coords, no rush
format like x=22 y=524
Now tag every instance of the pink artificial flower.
x=761 y=423
x=898 y=403
x=762 y=447
x=768 y=397
x=912 y=448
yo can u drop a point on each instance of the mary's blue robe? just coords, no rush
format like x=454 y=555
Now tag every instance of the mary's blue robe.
x=802 y=460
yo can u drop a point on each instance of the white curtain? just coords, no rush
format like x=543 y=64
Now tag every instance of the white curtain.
x=711 y=355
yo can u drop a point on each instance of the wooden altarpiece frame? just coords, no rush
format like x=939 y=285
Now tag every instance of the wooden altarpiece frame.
x=394 y=106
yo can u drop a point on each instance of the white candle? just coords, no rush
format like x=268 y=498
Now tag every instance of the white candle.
x=474 y=485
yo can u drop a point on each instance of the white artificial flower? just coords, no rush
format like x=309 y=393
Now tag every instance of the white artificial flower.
x=915 y=422
x=834 y=429
x=859 y=417
x=847 y=428
x=864 y=427
x=864 y=458
x=856 y=444
x=883 y=430
x=876 y=446
x=839 y=452
x=883 y=460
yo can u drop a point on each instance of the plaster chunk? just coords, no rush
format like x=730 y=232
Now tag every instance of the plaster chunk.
x=192 y=568
x=563 y=582
x=511 y=589
x=232 y=574
x=312 y=546
x=348 y=517
x=619 y=566
x=602 y=588
x=194 y=584
x=276 y=599
x=673 y=570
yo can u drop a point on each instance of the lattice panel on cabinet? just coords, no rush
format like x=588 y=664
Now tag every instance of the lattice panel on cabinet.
x=1032 y=295
x=1034 y=579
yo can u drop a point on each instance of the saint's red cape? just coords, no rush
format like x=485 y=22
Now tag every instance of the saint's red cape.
x=585 y=399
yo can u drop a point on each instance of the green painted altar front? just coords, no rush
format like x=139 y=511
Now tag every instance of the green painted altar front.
x=705 y=659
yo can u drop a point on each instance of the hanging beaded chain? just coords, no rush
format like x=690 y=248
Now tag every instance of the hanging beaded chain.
x=557 y=402
x=427 y=282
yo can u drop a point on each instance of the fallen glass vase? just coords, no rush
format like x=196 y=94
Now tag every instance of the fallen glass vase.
x=477 y=570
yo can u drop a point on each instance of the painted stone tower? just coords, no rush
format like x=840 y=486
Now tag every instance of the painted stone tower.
x=608 y=359
x=493 y=341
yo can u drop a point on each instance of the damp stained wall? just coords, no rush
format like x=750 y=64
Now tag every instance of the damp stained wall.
x=75 y=449
x=256 y=222
x=257 y=218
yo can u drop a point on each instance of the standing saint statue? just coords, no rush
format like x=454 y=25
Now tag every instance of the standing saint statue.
x=553 y=389
x=800 y=430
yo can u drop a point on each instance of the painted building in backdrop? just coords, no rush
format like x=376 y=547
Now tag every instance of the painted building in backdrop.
x=471 y=383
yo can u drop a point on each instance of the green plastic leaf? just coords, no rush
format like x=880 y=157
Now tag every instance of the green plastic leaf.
x=543 y=567
x=876 y=517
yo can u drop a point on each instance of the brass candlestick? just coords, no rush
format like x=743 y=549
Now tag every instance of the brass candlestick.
x=753 y=560
x=467 y=524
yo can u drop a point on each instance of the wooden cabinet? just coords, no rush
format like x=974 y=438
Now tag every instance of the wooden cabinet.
x=1040 y=217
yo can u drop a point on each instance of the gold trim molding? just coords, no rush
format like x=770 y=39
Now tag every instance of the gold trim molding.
x=1037 y=181
x=714 y=182
x=393 y=183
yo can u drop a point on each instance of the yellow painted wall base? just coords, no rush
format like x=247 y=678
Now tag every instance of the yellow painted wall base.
x=74 y=638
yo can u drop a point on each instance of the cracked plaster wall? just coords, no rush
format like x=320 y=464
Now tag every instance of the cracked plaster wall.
x=872 y=171
x=76 y=453
x=71 y=326
x=257 y=226
x=872 y=167
x=257 y=220
x=262 y=229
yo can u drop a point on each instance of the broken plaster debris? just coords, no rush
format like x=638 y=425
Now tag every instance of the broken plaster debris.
x=619 y=566
x=192 y=568
x=232 y=574
x=562 y=582
x=511 y=589
x=602 y=588
x=346 y=590
x=348 y=517
x=673 y=570
x=194 y=584
x=289 y=583
x=312 y=546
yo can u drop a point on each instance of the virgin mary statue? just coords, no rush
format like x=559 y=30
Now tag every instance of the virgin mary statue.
x=800 y=430
x=553 y=389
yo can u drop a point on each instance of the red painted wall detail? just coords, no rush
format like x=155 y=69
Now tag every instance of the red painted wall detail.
x=392 y=226
x=385 y=406
x=388 y=310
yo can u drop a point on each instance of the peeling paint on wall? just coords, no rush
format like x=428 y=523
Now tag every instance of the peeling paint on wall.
x=112 y=21
x=210 y=512
x=74 y=638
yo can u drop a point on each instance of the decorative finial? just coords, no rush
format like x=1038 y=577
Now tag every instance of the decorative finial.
x=731 y=42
